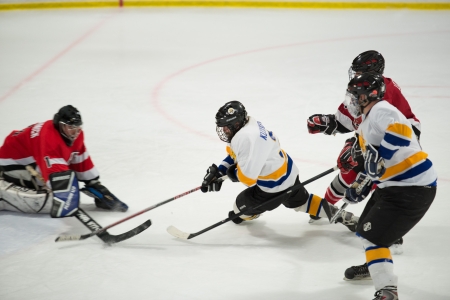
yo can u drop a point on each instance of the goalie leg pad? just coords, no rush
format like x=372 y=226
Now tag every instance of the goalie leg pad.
x=21 y=199
x=66 y=194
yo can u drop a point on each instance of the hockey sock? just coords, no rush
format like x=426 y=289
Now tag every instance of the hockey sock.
x=313 y=206
x=380 y=264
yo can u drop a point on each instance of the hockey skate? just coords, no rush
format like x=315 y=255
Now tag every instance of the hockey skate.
x=357 y=273
x=387 y=293
x=346 y=218
x=397 y=247
x=313 y=219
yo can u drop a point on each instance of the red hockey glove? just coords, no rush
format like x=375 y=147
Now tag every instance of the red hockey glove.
x=322 y=123
x=345 y=161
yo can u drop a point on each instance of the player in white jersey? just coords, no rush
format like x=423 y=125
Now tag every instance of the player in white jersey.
x=256 y=159
x=405 y=177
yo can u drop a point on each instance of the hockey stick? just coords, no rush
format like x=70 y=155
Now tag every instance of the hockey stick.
x=358 y=189
x=99 y=231
x=90 y=223
x=338 y=213
x=184 y=235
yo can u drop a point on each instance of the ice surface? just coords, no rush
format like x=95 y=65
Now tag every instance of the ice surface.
x=148 y=83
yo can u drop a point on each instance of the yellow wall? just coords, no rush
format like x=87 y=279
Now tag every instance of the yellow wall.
x=349 y=4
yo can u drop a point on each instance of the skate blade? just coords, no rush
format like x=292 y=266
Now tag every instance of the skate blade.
x=358 y=279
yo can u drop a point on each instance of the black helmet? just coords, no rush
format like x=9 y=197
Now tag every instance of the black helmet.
x=233 y=116
x=369 y=61
x=362 y=90
x=68 y=115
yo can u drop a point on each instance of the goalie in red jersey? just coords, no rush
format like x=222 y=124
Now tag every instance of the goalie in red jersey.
x=343 y=122
x=55 y=150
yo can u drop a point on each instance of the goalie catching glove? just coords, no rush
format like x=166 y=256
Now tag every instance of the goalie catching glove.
x=322 y=123
x=103 y=197
x=359 y=190
x=210 y=181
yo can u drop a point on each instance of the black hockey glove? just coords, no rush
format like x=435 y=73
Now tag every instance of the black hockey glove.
x=210 y=182
x=103 y=197
x=322 y=123
x=345 y=160
x=373 y=163
x=231 y=173
x=359 y=190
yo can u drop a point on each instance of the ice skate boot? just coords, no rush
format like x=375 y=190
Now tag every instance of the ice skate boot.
x=346 y=218
x=397 y=247
x=387 y=293
x=313 y=219
x=357 y=273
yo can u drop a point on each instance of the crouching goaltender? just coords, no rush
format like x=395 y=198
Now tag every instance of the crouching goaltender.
x=41 y=166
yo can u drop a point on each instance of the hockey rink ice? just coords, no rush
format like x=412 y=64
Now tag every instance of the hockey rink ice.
x=148 y=83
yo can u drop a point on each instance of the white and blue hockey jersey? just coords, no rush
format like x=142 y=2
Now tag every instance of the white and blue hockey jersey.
x=260 y=159
x=386 y=128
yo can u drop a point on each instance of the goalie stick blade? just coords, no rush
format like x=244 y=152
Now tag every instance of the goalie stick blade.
x=106 y=237
x=112 y=239
x=178 y=233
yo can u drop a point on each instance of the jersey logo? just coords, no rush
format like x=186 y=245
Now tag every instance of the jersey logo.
x=72 y=156
x=356 y=122
x=36 y=130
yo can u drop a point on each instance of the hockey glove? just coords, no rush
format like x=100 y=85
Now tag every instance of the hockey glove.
x=359 y=190
x=232 y=173
x=210 y=183
x=373 y=163
x=345 y=160
x=103 y=197
x=322 y=123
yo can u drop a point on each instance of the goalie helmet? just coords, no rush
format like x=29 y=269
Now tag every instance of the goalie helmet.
x=368 y=61
x=362 y=90
x=68 y=122
x=230 y=119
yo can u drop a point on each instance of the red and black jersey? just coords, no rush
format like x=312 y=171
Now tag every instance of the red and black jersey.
x=42 y=144
x=393 y=95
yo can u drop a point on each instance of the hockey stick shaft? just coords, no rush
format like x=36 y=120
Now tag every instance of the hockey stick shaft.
x=99 y=231
x=172 y=230
x=358 y=188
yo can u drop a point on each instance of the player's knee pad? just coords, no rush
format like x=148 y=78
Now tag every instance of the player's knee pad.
x=22 y=199
x=66 y=194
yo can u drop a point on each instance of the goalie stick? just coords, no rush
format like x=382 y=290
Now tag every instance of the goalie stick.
x=90 y=223
x=186 y=236
x=100 y=231
x=137 y=229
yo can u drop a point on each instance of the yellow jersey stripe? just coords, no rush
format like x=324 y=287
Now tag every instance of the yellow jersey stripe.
x=400 y=129
x=404 y=165
x=244 y=179
x=278 y=173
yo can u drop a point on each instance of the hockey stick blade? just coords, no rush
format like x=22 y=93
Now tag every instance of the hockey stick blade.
x=178 y=233
x=105 y=236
